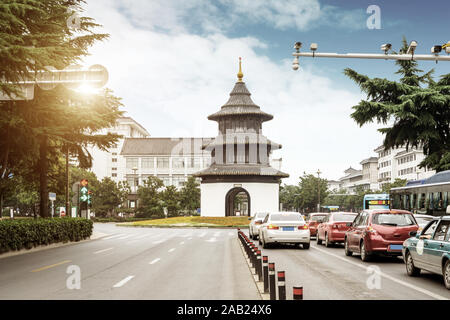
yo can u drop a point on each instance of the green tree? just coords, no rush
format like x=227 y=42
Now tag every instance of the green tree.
x=150 y=202
x=34 y=133
x=310 y=187
x=171 y=201
x=417 y=106
x=290 y=197
x=386 y=188
x=190 y=195
x=107 y=197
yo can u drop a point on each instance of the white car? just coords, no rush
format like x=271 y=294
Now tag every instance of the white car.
x=284 y=227
x=422 y=220
x=255 y=224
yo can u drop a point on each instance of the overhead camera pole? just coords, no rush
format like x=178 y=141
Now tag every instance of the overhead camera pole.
x=409 y=55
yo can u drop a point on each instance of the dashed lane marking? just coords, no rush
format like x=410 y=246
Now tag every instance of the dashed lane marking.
x=122 y=282
x=154 y=261
x=100 y=251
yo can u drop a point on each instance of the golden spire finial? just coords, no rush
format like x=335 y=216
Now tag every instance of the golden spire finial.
x=240 y=74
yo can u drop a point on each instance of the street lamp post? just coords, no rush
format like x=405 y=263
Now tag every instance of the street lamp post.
x=318 y=189
x=136 y=179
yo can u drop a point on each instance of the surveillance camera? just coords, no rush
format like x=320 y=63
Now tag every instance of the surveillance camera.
x=436 y=49
x=297 y=45
x=295 y=64
x=313 y=47
x=412 y=47
x=386 y=47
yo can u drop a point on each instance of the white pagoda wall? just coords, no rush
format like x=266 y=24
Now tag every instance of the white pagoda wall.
x=264 y=197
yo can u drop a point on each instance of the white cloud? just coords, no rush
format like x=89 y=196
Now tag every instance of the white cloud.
x=171 y=81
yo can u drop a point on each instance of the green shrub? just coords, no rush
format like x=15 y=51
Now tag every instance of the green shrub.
x=28 y=233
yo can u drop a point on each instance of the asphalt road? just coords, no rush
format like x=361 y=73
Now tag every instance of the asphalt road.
x=135 y=263
x=326 y=273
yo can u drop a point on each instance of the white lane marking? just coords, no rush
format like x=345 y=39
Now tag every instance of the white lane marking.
x=202 y=234
x=154 y=261
x=100 y=251
x=132 y=241
x=122 y=282
x=231 y=233
x=406 y=284
x=213 y=239
x=171 y=250
x=159 y=241
x=190 y=238
x=216 y=234
x=182 y=242
x=112 y=237
x=125 y=237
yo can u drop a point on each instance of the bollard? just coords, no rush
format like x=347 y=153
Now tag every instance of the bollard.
x=281 y=285
x=265 y=273
x=298 y=293
x=272 y=285
x=258 y=265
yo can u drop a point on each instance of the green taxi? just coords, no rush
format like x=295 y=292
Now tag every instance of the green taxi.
x=429 y=250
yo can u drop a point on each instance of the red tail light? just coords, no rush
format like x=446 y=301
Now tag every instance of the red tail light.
x=335 y=226
x=303 y=227
x=272 y=227
x=371 y=230
x=258 y=222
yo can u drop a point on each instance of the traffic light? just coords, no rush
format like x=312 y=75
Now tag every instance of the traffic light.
x=89 y=200
x=84 y=192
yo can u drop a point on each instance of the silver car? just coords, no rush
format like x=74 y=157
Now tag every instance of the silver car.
x=284 y=227
x=253 y=227
x=422 y=220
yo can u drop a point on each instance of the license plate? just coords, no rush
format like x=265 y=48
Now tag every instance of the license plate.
x=288 y=228
x=395 y=247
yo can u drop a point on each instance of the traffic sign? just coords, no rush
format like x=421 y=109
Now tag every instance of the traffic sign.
x=52 y=196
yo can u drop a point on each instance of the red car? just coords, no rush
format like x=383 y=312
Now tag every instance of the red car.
x=314 y=220
x=379 y=232
x=333 y=228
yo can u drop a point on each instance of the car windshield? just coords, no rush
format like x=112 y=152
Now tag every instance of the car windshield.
x=286 y=217
x=393 y=219
x=318 y=218
x=344 y=217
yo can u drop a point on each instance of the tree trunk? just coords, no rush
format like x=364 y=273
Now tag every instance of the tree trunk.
x=43 y=179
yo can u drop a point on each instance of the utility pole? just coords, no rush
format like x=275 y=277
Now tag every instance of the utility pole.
x=318 y=189
x=385 y=48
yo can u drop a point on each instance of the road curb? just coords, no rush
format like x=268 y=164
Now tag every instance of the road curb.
x=259 y=284
x=94 y=236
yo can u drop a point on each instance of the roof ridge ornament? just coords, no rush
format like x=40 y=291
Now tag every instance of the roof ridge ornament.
x=240 y=74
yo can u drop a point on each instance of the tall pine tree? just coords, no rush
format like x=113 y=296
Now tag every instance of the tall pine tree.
x=417 y=106
x=36 y=133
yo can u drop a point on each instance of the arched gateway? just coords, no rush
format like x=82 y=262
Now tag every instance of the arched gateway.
x=240 y=179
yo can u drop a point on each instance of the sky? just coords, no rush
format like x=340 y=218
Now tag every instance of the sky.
x=174 y=62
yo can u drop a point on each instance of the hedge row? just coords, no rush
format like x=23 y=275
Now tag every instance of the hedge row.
x=28 y=233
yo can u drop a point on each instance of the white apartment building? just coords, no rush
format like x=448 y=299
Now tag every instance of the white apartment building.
x=366 y=178
x=400 y=163
x=110 y=163
x=172 y=160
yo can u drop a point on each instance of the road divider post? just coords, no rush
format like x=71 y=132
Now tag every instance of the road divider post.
x=258 y=265
x=281 y=285
x=298 y=293
x=272 y=284
x=265 y=263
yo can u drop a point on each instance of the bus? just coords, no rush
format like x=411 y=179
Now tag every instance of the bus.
x=428 y=196
x=376 y=201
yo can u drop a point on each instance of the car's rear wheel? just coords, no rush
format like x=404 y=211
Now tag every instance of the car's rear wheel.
x=306 y=245
x=317 y=238
x=411 y=270
x=347 y=251
x=259 y=239
x=327 y=241
x=446 y=274
x=264 y=244
x=365 y=256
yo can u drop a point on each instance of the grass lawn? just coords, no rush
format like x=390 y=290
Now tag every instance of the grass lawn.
x=218 y=222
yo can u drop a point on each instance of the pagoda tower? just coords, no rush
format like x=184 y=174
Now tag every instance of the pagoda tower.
x=240 y=180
